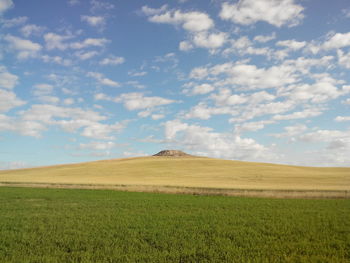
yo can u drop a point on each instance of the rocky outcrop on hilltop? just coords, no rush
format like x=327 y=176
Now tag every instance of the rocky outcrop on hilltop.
x=172 y=153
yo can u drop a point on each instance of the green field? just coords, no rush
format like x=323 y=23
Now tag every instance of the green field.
x=61 y=225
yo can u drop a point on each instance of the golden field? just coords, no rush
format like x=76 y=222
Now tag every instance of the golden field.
x=195 y=172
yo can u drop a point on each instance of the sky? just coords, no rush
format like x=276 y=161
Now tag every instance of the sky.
x=251 y=80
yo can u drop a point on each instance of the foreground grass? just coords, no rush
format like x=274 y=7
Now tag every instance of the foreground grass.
x=58 y=225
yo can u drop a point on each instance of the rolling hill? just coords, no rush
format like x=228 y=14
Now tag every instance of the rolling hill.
x=184 y=171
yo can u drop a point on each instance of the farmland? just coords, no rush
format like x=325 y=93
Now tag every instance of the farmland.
x=166 y=174
x=65 y=225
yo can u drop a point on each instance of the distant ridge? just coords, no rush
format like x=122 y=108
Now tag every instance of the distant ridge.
x=172 y=153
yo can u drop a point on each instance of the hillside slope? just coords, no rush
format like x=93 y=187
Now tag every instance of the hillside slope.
x=186 y=172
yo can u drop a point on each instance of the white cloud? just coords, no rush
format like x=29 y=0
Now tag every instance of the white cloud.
x=191 y=21
x=199 y=73
x=204 y=140
x=338 y=40
x=112 y=60
x=342 y=118
x=343 y=59
x=137 y=101
x=43 y=89
x=102 y=79
x=7 y=80
x=90 y=42
x=202 y=89
x=274 y=12
x=321 y=91
x=198 y=24
x=102 y=131
x=96 y=21
x=68 y=101
x=347 y=101
x=55 y=41
x=56 y=59
x=98 y=5
x=5 y=5
x=291 y=44
x=137 y=74
x=249 y=76
x=208 y=40
x=185 y=46
x=85 y=55
x=226 y=98
x=26 y=128
x=148 y=11
x=264 y=39
x=69 y=119
x=291 y=131
x=251 y=126
x=98 y=145
x=8 y=23
x=9 y=100
x=203 y=112
x=31 y=29
x=243 y=46
x=307 y=113
x=24 y=47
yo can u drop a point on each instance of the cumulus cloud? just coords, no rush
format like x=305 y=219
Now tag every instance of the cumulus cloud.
x=85 y=55
x=342 y=118
x=55 y=41
x=274 y=12
x=338 y=40
x=265 y=38
x=190 y=21
x=199 y=139
x=202 y=89
x=204 y=112
x=112 y=60
x=90 y=42
x=7 y=80
x=9 y=100
x=102 y=131
x=344 y=59
x=95 y=21
x=291 y=44
x=38 y=117
x=43 y=89
x=102 y=79
x=24 y=48
x=5 y=5
x=307 y=113
x=243 y=46
x=17 y=21
x=98 y=145
x=56 y=59
x=138 y=101
x=31 y=29
x=209 y=40
x=199 y=26
x=248 y=76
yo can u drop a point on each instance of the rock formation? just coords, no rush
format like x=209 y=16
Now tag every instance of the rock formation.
x=171 y=153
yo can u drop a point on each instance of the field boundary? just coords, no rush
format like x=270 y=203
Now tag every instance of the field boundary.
x=267 y=193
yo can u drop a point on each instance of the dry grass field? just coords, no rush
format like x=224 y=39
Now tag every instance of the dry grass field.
x=184 y=172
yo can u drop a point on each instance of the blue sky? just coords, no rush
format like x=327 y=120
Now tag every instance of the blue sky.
x=253 y=80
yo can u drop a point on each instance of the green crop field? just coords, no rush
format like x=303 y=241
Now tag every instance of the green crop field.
x=62 y=225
